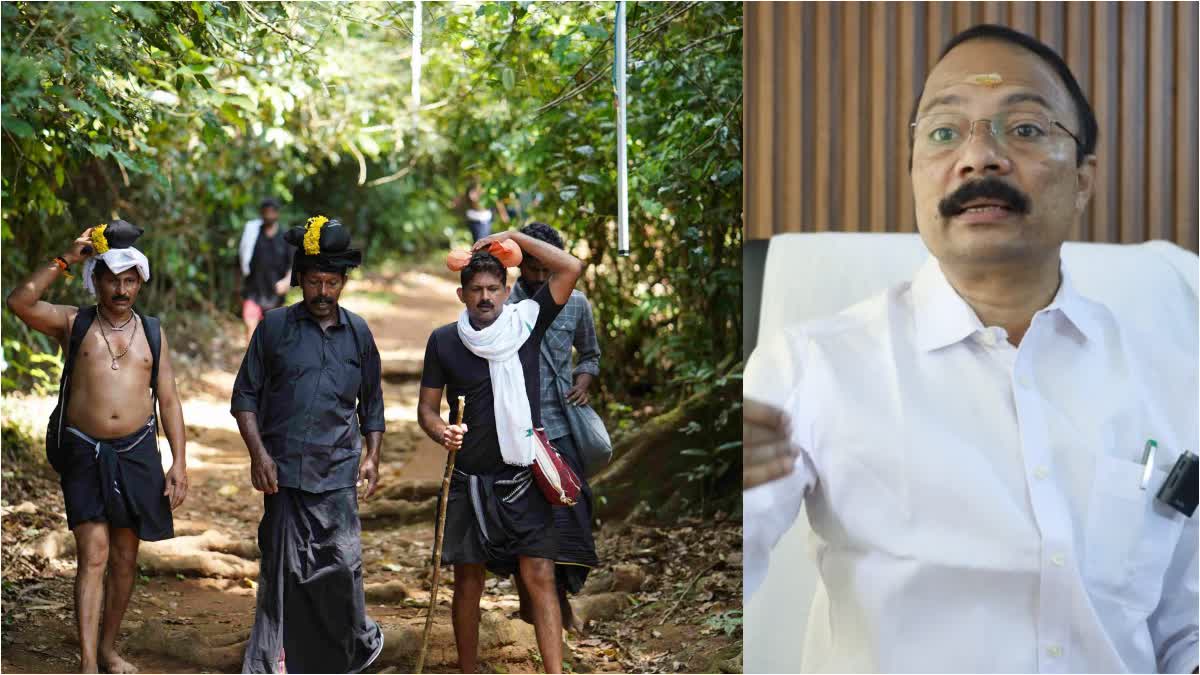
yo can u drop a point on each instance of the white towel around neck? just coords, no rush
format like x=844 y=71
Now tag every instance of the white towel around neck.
x=499 y=343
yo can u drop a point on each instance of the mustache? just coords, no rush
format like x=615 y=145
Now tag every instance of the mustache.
x=322 y=301
x=486 y=304
x=986 y=188
x=120 y=298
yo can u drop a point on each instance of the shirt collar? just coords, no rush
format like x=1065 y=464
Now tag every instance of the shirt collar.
x=300 y=311
x=943 y=318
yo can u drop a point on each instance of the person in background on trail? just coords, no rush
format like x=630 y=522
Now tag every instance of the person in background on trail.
x=265 y=260
x=575 y=327
x=103 y=438
x=309 y=386
x=478 y=216
x=512 y=530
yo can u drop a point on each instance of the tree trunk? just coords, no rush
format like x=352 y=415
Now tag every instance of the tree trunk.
x=648 y=464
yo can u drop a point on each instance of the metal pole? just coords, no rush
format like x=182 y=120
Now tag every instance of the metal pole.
x=416 y=66
x=622 y=159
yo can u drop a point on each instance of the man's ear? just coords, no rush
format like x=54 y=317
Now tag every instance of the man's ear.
x=1086 y=178
x=460 y=297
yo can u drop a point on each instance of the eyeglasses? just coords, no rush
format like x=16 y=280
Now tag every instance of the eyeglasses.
x=1023 y=132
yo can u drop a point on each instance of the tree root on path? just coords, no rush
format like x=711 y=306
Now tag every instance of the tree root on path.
x=189 y=645
x=397 y=512
x=211 y=554
x=411 y=490
x=599 y=607
x=500 y=639
x=390 y=591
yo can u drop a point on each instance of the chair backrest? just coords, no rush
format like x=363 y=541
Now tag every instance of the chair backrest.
x=806 y=276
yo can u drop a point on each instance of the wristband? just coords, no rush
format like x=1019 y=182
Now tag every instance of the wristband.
x=61 y=262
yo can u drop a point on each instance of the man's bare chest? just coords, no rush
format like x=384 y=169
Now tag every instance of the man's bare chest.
x=108 y=352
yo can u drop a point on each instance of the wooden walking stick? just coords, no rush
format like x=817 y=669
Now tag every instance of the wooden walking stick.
x=439 y=531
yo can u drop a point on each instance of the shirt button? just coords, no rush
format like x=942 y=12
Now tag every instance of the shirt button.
x=1041 y=472
x=988 y=338
x=1058 y=559
x=1054 y=651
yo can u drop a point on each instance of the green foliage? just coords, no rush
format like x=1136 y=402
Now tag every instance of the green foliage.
x=180 y=116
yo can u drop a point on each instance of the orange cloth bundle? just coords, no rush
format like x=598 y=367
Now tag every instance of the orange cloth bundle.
x=457 y=260
x=507 y=252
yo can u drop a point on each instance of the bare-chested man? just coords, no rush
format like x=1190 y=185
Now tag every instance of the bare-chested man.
x=106 y=451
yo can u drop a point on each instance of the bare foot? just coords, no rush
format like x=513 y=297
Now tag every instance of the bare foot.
x=113 y=663
x=85 y=667
x=570 y=620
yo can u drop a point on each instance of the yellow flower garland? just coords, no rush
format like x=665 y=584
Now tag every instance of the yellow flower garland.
x=99 y=242
x=312 y=235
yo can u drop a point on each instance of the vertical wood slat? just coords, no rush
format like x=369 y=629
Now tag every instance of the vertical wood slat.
x=792 y=85
x=758 y=179
x=1106 y=42
x=903 y=218
x=1133 y=121
x=824 y=133
x=1160 y=211
x=854 y=210
x=829 y=88
x=1187 y=173
x=1078 y=54
x=882 y=90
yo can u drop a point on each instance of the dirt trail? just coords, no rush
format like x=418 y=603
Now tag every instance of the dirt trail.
x=193 y=606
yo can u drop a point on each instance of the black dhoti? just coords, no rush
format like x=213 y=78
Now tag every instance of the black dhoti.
x=119 y=481
x=311 y=608
x=495 y=518
x=573 y=527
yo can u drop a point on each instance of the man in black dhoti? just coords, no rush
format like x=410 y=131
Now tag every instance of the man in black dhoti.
x=102 y=435
x=308 y=386
x=495 y=520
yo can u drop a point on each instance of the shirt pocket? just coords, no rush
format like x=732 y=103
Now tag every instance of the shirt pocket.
x=351 y=378
x=1130 y=536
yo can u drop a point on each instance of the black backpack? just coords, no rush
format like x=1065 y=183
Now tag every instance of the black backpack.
x=83 y=321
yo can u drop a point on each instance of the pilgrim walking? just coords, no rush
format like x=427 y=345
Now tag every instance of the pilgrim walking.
x=307 y=393
x=102 y=437
x=499 y=514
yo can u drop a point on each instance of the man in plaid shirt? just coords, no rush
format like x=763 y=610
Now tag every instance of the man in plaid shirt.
x=573 y=327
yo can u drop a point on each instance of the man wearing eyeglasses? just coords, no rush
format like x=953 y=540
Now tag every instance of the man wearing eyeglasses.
x=966 y=444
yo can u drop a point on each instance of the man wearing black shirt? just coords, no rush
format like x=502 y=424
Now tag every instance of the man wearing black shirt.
x=308 y=387
x=266 y=265
x=494 y=519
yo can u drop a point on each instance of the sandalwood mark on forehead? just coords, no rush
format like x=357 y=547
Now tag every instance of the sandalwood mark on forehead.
x=985 y=79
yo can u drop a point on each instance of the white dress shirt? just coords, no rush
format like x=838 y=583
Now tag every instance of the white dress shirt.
x=975 y=506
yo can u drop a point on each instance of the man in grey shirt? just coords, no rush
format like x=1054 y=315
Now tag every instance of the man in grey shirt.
x=573 y=327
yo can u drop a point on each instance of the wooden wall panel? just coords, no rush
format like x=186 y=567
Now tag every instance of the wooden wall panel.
x=829 y=87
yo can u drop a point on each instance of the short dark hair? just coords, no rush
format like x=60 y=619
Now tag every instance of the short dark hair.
x=1089 y=132
x=482 y=262
x=269 y=202
x=543 y=232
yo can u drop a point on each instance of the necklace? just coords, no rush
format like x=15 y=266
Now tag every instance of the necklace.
x=110 y=323
x=114 y=355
